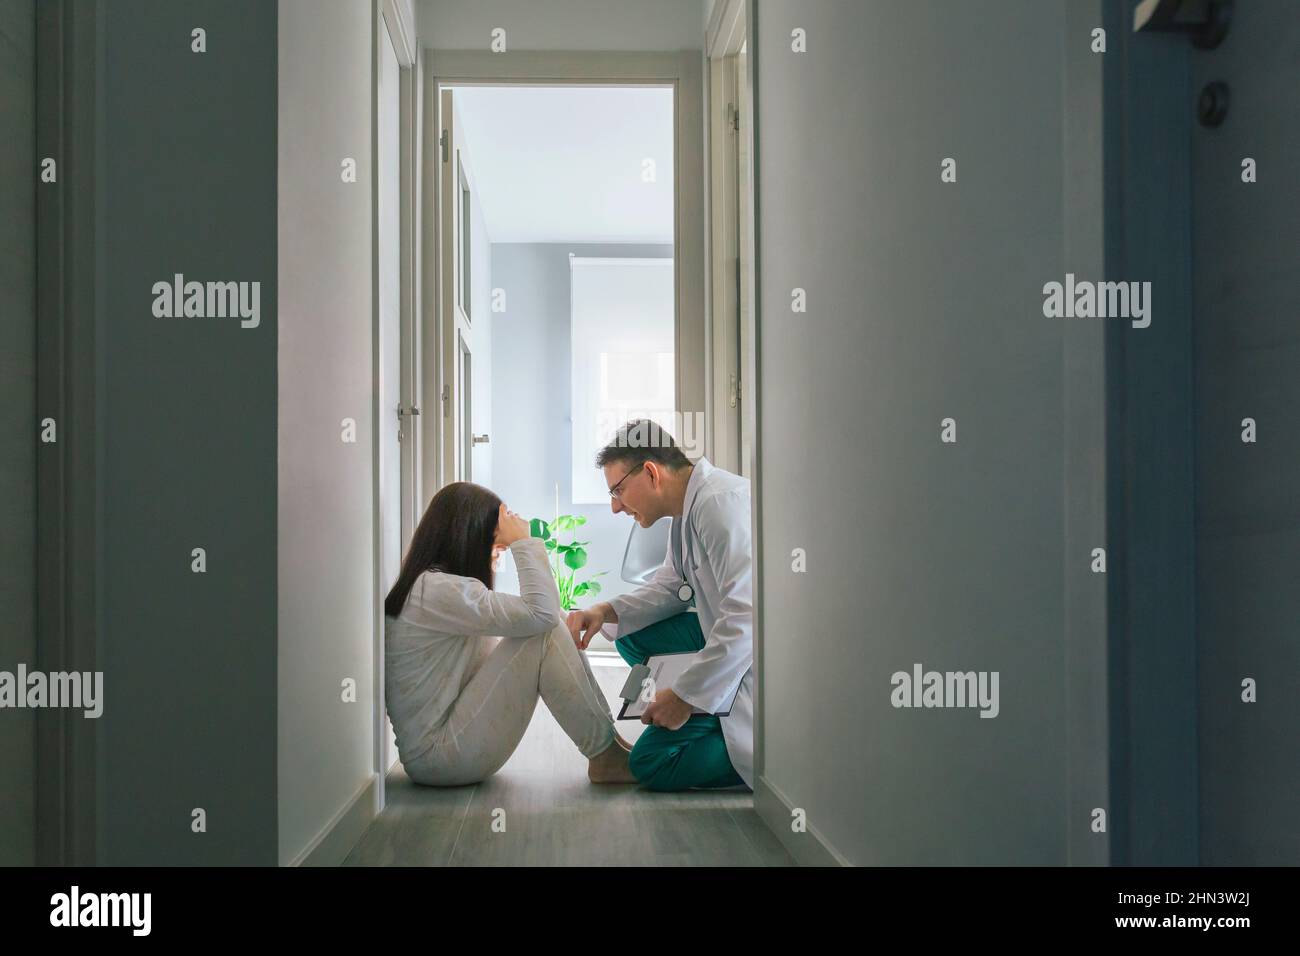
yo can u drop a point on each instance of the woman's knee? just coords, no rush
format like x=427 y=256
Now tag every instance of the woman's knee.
x=560 y=637
x=557 y=644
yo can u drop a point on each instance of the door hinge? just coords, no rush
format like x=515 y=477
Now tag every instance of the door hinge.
x=734 y=115
x=733 y=392
x=442 y=143
x=446 y=401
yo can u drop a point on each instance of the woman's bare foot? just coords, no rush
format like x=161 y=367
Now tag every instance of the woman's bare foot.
x=610 y=765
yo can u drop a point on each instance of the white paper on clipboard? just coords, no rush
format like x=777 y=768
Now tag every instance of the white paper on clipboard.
x=663 y=670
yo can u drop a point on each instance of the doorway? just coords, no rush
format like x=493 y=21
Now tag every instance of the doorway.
x=486 y=430
x=560 y=317
x=449 y=253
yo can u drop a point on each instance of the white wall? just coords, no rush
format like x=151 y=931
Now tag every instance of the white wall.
x=326 y=599
x=924 y=302
x=562 y=24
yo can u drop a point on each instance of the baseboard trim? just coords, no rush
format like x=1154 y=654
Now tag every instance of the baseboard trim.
x=337 y=838
x=808 y=848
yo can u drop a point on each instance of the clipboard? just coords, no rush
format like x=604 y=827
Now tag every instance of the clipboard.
x=663 y=669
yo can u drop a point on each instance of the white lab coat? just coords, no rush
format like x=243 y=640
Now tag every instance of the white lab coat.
x=713 y=537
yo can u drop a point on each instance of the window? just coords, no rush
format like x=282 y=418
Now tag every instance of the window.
x=622 y=344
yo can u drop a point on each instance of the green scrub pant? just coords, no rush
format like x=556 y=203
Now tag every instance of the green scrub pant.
x=694 y=755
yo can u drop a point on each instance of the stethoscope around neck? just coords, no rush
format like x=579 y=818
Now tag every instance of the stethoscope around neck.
x=685 y=593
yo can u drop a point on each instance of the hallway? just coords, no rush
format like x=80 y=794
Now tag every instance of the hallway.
x=979 y=317
x=554 y=817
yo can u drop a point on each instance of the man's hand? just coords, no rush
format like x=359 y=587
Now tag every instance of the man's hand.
x=584 y=625
x=667 y=710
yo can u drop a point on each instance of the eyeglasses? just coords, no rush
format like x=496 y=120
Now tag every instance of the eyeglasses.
x=614 y=492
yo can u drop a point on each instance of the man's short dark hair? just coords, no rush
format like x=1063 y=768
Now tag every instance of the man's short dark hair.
x=639 y=441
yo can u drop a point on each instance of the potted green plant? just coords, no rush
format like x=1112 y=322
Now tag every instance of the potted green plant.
x=567 y=557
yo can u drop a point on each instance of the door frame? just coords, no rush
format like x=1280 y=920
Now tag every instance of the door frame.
x=733 y=24
x=393 y=23
x=726 y=100
x=454 y=298
x=399 y=17
x=684 y=73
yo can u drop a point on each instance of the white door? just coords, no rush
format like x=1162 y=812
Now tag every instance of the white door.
x=459 y=272
x=389 y=386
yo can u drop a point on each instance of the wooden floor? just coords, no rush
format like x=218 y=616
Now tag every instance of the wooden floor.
x=553 y=817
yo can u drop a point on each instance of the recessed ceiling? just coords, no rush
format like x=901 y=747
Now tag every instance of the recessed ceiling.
x=570 y=164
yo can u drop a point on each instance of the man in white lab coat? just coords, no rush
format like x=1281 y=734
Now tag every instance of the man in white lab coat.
x=708 y=565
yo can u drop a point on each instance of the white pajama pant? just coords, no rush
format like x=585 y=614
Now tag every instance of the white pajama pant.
x=496 y=705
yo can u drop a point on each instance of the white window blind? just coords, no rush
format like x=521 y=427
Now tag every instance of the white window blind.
x=621 y=331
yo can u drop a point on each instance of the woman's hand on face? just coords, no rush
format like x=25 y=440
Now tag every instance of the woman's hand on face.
x=510 y=527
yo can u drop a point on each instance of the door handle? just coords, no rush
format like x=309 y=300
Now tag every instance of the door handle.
x=402 y=412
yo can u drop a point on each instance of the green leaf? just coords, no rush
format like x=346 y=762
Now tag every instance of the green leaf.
x=579 y=520
x=575 y=557
x=539 y=529
x=593 y=587
x=550 y=544
x=582 y=589
x=563 y=523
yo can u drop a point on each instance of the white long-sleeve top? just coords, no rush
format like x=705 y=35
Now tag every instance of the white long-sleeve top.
x=448 y=622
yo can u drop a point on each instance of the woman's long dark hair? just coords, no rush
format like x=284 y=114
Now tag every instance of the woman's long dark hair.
x=455 y=535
